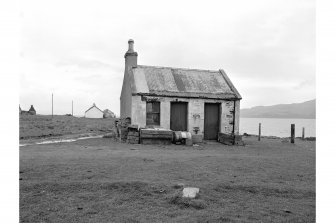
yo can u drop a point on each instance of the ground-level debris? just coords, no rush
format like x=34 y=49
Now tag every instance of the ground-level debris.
x=230 y=139
x=133 y=136
x=197 y=138
x=110 y=135
x=190 y=192
x=179 y=185
x=183 y=202
x=188 y=142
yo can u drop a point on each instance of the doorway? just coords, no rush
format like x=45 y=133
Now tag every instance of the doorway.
x=178 y=116
x=212 y=121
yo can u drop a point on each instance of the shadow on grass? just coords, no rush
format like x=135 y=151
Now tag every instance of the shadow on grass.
x=265 y=191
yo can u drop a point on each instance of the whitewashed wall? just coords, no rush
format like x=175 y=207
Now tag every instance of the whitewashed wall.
x=94 y=113
x=195 y=116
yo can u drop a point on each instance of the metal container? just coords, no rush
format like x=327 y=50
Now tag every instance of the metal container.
x=180 y=137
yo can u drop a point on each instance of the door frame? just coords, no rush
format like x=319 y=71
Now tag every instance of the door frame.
x=186 y=115
x=219 y=118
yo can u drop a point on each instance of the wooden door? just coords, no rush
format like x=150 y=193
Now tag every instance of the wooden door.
x=212 y=121
x=178 y=116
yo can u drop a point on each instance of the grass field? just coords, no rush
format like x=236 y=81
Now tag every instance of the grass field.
x=100 y=180
x=46 y=126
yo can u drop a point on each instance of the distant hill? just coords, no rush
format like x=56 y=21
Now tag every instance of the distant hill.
x=297 y=110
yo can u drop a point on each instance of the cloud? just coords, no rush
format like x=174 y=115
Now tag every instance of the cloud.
x=75 y=48
x=83 y=63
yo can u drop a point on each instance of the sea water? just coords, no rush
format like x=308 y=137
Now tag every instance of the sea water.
x=277 y=126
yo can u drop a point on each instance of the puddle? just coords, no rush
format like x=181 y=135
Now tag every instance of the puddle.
x=60 y=140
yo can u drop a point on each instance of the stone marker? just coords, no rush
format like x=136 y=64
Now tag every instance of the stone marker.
x=190 y=192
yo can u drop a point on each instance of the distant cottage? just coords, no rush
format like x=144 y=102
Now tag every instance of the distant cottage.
x=199 y=101
x=94 y=112
x=31 y=111
x=108 y=114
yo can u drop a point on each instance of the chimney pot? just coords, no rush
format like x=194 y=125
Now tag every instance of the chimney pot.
x=130 y=45
x=130 y=51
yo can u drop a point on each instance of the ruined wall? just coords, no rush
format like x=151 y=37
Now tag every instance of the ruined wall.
x=195 y=116
x=165 y=113
x=139 y=108
x=237 y=117
x=227 y=117
x=126 y=92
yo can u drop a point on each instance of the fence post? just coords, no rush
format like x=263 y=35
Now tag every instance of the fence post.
x=292 y=133
x=303 y=133
x=259 y=131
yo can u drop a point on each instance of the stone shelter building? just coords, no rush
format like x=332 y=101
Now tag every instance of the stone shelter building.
x=198 y=101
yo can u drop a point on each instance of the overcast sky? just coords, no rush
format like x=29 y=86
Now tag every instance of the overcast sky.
x=75 y=49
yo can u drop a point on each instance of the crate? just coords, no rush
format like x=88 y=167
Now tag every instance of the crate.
x=155 y=136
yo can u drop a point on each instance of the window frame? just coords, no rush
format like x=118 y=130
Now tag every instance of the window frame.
x=153 y=112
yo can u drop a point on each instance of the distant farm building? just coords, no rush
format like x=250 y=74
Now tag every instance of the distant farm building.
x=31 y=111
x=94 y=112
x=108 y=114
x=198 y=101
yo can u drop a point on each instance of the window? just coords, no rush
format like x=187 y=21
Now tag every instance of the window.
x=153 y=113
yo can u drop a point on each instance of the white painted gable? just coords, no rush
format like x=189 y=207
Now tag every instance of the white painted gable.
x=94 y=112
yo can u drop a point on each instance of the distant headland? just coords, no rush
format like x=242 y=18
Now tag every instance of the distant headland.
x=304 y=110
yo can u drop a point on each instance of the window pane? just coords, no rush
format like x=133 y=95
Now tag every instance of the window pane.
x=155 y=119
x=153 y=113
x=156 y=107
x=149 y=107
x=150 y=120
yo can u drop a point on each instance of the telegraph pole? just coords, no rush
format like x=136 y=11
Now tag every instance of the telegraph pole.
x=52 y=105
x=72 y=108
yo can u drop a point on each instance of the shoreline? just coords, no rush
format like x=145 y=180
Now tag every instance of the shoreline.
x=76 y=137
x=310 y=138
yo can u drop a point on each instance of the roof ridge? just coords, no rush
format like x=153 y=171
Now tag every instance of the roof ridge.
x=179 y=68
x=93 y=107
x=230 y=84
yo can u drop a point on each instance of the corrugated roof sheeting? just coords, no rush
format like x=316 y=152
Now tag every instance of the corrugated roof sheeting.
x=182 y=82
x=159 y=79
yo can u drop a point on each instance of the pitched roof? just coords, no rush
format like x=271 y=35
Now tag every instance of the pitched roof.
x=32 y=108
x=93 y=106
x=180 y=82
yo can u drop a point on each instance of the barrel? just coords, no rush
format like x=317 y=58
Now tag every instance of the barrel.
x=180 y=137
